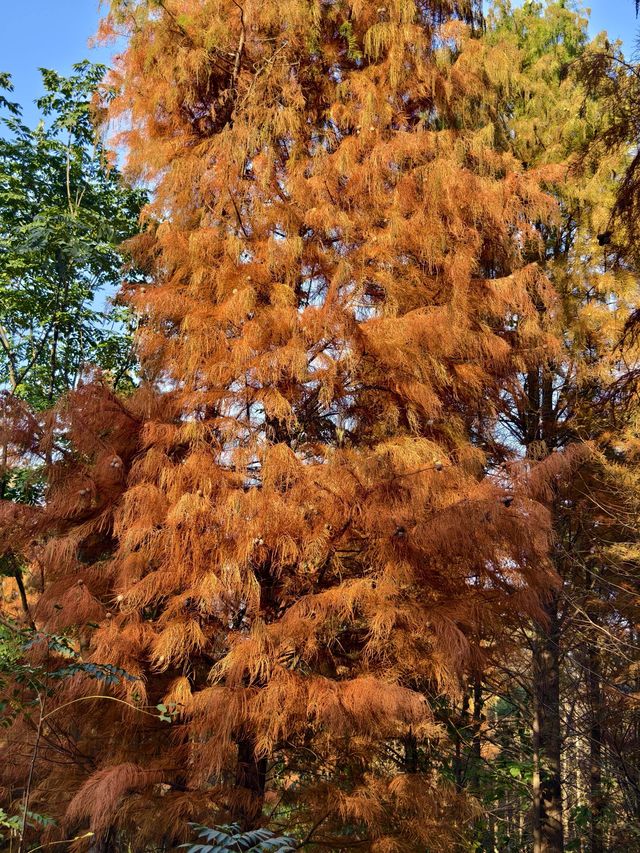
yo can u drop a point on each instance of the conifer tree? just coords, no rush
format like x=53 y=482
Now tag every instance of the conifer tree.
x=288 y=535
x=576 y=399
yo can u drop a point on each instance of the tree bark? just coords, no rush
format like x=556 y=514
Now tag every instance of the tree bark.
x=595 y=750
x=251 y=776
x=23 y=599
x=462 y=724
x=410 y=752
x=548 y=834
x=476 y=749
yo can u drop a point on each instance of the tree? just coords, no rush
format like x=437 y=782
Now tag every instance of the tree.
x=288 y=533
x=64 y=211
x=608 y=75
x=550 y=118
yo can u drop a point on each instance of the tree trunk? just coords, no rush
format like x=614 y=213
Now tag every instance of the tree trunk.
x=595 y=750
x=548 y=835
x=251 y=775
x=23 y=599
x=476 y=749
x=462 y=724
x=410 y=752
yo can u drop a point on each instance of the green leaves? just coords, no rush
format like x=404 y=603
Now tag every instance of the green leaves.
x=13 y=823
x=63 y=214
x=353 y=50
x=16 y=671
x=10 y=822
x=229 y=839
x=7 y=85
x=168 y=713
x=100 y=671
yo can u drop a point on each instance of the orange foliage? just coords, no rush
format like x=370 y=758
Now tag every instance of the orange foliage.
x=288 y=530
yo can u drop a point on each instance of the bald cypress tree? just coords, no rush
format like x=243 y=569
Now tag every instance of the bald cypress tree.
x=288 y=535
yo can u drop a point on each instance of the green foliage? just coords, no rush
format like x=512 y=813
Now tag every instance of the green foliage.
x=7 y=86
x=230 y=839
x=547 y=118
x=353 y=51
x=22 y=485
x=12 y=639
x=13 y=823
x=10 y=822
x=15 y=674
x=21 y=681
x=63 y=214
x=169 y=712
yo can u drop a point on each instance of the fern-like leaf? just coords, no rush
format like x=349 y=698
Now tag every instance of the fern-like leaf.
x=229 y=839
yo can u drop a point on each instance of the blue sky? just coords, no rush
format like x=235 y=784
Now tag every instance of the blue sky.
x=45 y=33
x=54 y=34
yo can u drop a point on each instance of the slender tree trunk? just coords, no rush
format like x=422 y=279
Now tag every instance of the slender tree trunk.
x=570 y=769
x=548 y=835
x=32 y=764
x=251 y=776
x=11 y=361
x=3 y=470
x=461 y=726
x=251 y=770
x=595 y=750
x=410 y=752
x=23 y=599
x=476 y=751
x=548 y=830
x=61 y=269
x=484 y=825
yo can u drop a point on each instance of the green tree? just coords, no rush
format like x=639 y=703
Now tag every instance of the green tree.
x=64 y=212
x=576 y=679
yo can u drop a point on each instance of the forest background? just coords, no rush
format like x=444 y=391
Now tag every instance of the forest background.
x=444 y=657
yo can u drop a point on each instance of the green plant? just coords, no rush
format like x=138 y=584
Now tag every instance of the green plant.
x=64 y=211
x=230 y=838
